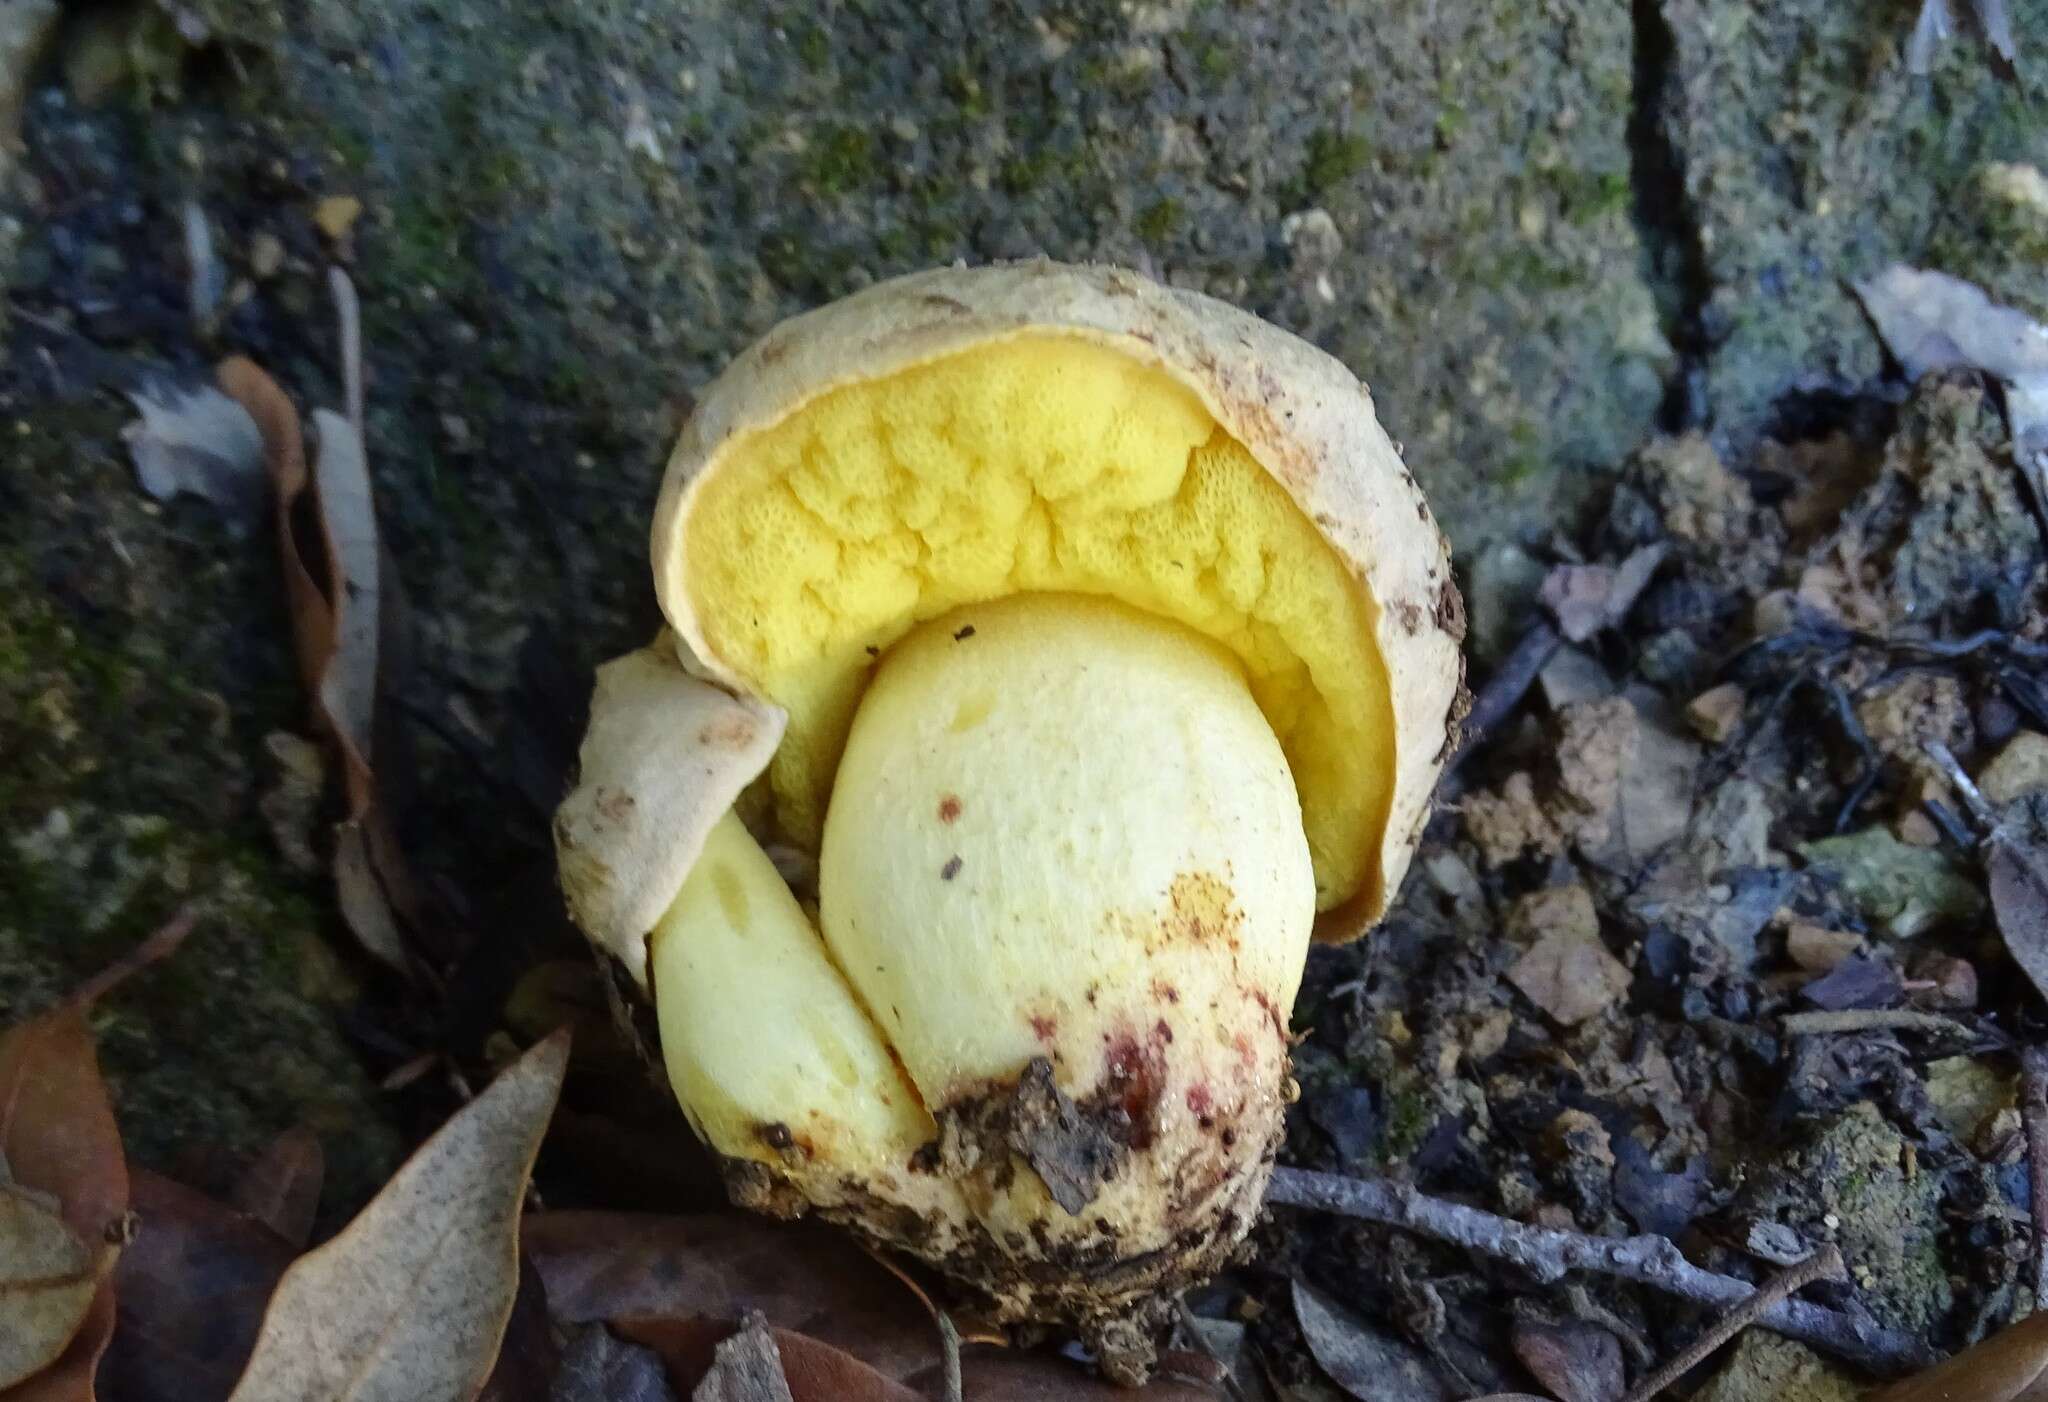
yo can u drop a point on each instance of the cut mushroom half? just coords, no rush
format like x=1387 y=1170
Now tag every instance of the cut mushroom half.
x=1093 y=638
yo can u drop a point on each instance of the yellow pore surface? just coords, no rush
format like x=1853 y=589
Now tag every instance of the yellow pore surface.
x=1038 y=463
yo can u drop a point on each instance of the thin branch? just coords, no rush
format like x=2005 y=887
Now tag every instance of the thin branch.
x=1824 y=1264
x=2034 y=1117
x=1973 y=797
x=1871 y=1020
x=1503 y=691
x=1549 y=1255
x=161 y=944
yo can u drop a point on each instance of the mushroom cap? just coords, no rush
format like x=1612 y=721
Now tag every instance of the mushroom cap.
x=1300 y=414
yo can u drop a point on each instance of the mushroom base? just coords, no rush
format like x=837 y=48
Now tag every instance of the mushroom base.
x=1117 y=1295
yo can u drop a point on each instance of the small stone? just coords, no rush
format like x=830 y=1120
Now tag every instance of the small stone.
x=1560 y=910
x=1907 y=889
x=2020 y=768
x=266 y=256
x=1916 y=829
x=1818 y=948
x=1570 y=977
x=1953 y=980
x=1574 y=1134
x=1311 y=236
x=1902 y=715
x=335 y=215
x=1967 y=1092
x=1714 y=714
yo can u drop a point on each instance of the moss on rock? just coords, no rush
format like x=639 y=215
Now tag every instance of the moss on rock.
x=142 y=656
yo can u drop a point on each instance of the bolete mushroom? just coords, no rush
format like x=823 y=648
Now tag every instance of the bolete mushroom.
x=1092 y=640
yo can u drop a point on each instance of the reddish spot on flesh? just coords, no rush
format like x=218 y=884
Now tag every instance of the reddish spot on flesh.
x=1137 y=1076
x=1165 y=991
x=1043 y=1027
x=949 y=808
x=1162 y=1033
x=1272 y=1012
x=1198 y=1101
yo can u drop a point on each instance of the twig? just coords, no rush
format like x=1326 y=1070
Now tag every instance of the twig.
x=1973 y=797
x=160 y=945
x=1871 y=1020
x=1951 y=826
x=2034 y=1117
x=1549 y=1255
x=1824 y=1264
x=1504 y=689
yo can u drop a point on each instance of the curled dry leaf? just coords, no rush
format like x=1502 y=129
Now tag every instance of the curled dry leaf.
x=2010 y=1366
x=328 y=544
x=412 y=1298
x=1367 y=1363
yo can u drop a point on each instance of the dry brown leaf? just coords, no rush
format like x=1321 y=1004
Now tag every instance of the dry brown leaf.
x=282 y=1188
x=2010 y=1366
x=48 y=1278
x=689 y=1280
x=412 y=1298
x=1370 y=1365
x=58 y=1138
x=601 y=1266
x=812 y=1371
x=192 y=1288
x=531 y=1355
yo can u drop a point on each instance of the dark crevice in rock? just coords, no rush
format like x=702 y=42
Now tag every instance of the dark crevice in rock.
x=1675 y=257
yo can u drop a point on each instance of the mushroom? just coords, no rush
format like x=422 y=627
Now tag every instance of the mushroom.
x=1092 y=638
